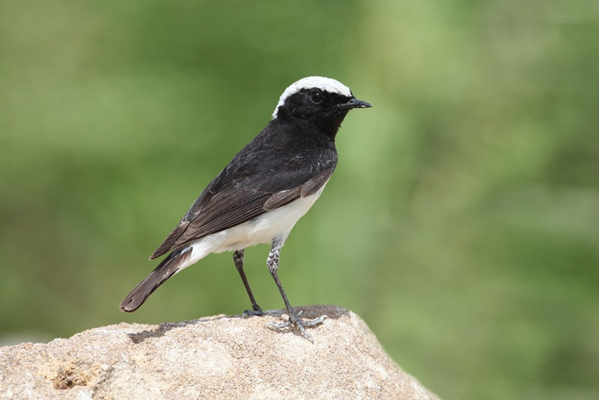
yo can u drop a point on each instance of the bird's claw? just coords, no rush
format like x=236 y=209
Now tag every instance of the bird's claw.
x=298 y=323
x=256 y=312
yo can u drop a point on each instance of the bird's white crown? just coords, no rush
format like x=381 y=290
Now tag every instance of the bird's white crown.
x=327 y=84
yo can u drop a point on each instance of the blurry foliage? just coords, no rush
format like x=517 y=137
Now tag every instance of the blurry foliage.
x=462 y=222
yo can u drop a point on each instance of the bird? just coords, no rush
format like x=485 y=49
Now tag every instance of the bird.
x=261 y=194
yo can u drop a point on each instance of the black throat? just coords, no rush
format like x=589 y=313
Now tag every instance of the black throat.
x=326 y=124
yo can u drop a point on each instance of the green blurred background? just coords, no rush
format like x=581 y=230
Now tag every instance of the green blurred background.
x=463 y=220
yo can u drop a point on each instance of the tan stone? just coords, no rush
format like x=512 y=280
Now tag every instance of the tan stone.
x=220 y=357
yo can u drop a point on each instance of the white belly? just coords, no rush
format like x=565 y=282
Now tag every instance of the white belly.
x=262 y=229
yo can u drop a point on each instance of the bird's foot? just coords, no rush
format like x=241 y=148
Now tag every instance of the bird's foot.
x=256 y=311
x=300 y=324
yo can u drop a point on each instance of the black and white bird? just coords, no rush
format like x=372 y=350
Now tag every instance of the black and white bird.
x=267 y=187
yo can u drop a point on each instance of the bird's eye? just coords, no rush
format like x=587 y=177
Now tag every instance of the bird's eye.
x=316 y=96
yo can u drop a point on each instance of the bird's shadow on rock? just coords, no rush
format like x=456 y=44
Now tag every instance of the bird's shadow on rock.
x=308 y=312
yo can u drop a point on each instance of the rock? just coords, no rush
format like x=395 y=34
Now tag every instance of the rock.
x=220 y=357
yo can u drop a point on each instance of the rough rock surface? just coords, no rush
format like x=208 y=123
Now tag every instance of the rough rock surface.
x=220 y=357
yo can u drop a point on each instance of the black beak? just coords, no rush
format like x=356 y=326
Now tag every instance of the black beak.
x=354 y=103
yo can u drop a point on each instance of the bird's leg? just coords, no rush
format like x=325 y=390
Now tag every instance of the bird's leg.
x=238 y=256
x=294 y=319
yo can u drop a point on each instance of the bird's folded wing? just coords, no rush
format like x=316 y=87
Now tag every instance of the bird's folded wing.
x=233 y=204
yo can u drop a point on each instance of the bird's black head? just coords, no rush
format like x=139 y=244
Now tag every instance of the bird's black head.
x=317 y=102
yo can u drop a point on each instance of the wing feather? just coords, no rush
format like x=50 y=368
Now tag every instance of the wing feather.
x=263 y=176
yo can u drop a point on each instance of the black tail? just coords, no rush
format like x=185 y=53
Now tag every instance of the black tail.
x=167 y=268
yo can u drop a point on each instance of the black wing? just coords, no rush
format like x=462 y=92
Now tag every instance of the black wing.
x=269 y=172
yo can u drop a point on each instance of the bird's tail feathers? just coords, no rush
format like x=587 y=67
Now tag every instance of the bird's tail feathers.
x=167 y=268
